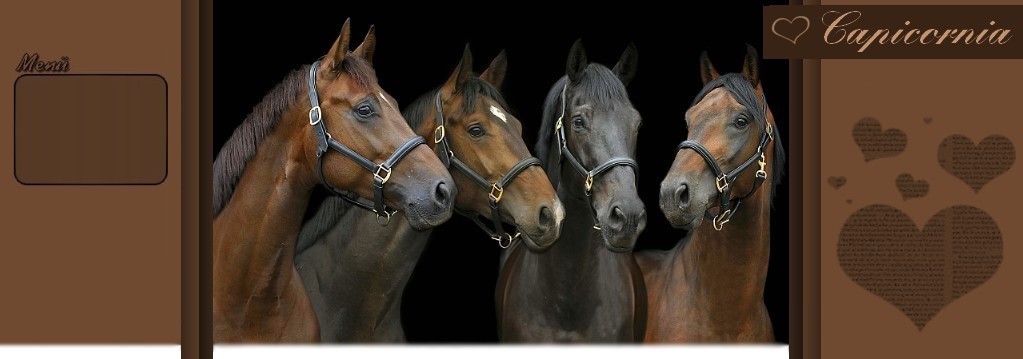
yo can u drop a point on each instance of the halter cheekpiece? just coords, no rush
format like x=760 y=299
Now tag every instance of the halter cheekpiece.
x=381 y=172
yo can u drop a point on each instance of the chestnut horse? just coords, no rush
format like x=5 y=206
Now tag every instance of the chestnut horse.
x=356 y=270
x=328 y=123
x=587 y=287
x=710 y=286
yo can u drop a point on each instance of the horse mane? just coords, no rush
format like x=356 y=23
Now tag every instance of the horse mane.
x=597 y=82
x=746 y=95
x=475 y=87
x=244 y=142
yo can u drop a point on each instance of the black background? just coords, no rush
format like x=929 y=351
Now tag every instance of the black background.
x=450 y=297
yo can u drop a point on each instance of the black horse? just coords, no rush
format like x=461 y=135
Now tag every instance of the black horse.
x=587 y=287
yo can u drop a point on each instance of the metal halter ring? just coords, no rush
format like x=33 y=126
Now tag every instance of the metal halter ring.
x=588 y=183
x=386 y=217
x=499 y=193
x=770 y=133
x=719 y=225
x=438 y=134
x=383 y=179
x=505 y=241
x=721 y=183
x=319 y=116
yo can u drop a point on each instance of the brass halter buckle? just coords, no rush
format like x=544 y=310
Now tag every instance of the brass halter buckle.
x=721 y=183
x=762 y=172
x=496 y=192
x=588 y=183
x=315 y=120
x=438 y=134
x=720 y=220
x=387 y=174
x=505 y=240
x=770 y=132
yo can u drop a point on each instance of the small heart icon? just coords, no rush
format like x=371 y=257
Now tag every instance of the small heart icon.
x=976 y=164
x=836 y=182
x=790 y=29
x=920 y=272
x=928 y=120
x=875 y=143
x=911 y=188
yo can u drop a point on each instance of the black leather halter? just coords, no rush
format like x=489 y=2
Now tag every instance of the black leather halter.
x=589 y=175
x=381 y=172
x=447 y=156
x=723 y=180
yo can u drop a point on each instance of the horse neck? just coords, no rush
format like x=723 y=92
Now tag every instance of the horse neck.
x=254 y=251
x=725 y=271
x=580 y=249
x=376 y=263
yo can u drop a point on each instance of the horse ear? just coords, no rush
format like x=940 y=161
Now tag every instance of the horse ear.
x=750 y=67
x=626 y=67
x=707 y=71
x=368 y=45
x=338 y=52
x=494 y=74
x=576 y=61
x=461 y=74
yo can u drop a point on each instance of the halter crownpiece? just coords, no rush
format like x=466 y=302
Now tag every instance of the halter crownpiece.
x=496 y=189
x=588 y=175
x=381 y=172
x=723 y=180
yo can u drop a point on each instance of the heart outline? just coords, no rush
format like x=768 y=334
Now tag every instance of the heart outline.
x=976 y=163
x=790 y=21
x=836 y=182
x=885 y=252
x=910 y=187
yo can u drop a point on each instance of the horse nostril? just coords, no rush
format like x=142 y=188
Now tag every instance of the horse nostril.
x=618 y=213
x=442 y=195
x=683 y=196
x=546 y=220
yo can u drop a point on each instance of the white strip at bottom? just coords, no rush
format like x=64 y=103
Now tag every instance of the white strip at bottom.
x=224 y=351
x=62 y=351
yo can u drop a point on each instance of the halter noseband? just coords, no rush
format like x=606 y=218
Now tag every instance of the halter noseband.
x=447 y=156
x=589 y=175
x=723 y=180
x=381 y=172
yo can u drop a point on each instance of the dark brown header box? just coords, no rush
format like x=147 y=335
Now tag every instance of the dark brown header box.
x=90 y=129
x=893 y=32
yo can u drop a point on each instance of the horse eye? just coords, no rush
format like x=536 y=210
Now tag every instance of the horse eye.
x=578 y=122
x=476 y=131
x=741 y=122
x=364 y=111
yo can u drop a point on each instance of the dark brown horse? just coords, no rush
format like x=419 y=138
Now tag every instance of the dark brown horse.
x=710 y=286
x=587 y=287
x=356 y=270
x=328 y=123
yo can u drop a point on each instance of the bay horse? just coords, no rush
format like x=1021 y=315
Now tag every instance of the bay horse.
x=587 y=287
x=328 y=123
x=356 y=270
x=710 y=286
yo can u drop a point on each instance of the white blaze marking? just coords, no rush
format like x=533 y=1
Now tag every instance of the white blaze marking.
x=382 y=97
x=497 y=112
